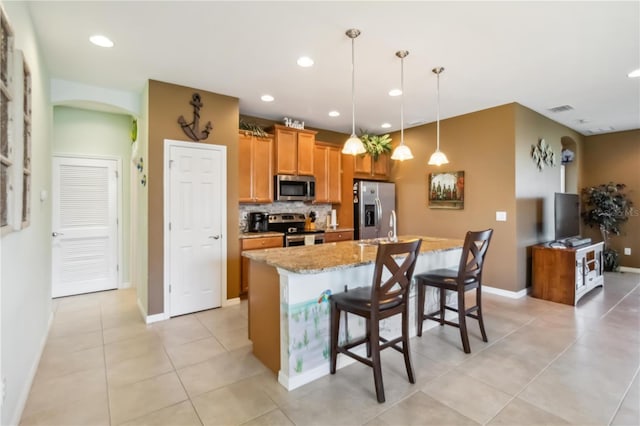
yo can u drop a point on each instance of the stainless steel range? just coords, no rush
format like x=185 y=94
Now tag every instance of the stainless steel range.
x=292 y=224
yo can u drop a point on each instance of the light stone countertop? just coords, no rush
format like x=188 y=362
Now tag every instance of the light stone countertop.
x=338 y=229
x=245 y=235
x=340 y=255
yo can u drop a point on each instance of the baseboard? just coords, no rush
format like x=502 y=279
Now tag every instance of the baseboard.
x=630 y=269
x=231 y=302
x=22 y=401
x=150 y=318
x=506 y=293
x=155 y=318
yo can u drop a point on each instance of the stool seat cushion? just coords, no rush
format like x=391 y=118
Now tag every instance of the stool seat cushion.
x=360 y=297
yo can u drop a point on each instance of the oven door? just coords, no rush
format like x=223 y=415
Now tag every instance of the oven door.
x=298 y=239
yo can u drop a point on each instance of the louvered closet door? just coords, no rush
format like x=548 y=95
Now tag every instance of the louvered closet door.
x=84 y=238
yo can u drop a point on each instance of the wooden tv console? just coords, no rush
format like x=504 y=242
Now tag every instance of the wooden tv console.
x=565 y=274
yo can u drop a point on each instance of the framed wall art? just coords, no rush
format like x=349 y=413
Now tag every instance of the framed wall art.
x=445 y=190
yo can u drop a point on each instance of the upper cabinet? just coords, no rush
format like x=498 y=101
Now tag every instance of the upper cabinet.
x=327 y=170
x=255 y=169
x=365 y=167
x=294 y=149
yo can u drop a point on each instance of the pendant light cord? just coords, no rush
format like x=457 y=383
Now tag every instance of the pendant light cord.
x=438 y=113
x=402 y=101
x=353 y=87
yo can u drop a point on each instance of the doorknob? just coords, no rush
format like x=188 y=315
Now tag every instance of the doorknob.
x=215 y=237
x=55 y=234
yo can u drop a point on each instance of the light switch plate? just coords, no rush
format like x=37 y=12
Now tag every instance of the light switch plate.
x=501 y=216
x=627 y=251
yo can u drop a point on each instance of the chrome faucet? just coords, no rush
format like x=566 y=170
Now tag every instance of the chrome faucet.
x=393 y=234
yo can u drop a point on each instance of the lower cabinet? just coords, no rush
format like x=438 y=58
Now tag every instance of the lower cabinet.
x=564 y=275
x=334 y=236
x=254 y=244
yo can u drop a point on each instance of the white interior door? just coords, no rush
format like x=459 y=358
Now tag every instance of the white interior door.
x=197 y=223
x=84 y=225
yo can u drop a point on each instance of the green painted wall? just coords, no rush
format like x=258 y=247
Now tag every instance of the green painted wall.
x=96 y=133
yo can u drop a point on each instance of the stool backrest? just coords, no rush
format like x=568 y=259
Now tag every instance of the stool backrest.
x=396 y=287
x=476 y=244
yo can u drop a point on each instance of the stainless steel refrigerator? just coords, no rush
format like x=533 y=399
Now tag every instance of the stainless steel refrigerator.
x=372 y=205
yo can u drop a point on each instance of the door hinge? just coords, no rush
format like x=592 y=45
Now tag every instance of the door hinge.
x=169 y=226
x=169 y=288
x=117 y=268
x=116 y=173
x=171 y=163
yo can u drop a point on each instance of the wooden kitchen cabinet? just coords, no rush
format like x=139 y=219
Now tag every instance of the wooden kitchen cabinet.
x=327 y=159
x=564 y=275
x=366 y=168
x=254 y=244
x=255 y=182
x=335 y=236
x=293 y=151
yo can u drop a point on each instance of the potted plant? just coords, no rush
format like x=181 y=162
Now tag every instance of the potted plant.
x=252 y=129
x=375 y=144
x=606 y=207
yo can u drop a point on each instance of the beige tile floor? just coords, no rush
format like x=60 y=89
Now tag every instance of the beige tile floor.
x=545 y=363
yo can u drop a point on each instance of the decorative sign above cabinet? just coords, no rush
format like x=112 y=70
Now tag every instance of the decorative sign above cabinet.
x=294 y=124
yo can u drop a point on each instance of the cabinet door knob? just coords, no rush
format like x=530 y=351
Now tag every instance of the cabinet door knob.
x=215 y=237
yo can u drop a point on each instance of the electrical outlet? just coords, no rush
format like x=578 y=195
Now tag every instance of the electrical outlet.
x=627 y=251
x=501 y=216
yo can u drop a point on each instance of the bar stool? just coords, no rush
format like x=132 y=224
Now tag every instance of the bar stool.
x=383 y=299
x=468 y=276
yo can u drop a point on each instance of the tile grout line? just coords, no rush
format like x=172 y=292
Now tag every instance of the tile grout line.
x=573 y=342
x=104 y=360
x=624 y=395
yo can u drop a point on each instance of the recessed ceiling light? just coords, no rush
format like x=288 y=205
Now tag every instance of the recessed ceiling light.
x=100 y=40
x=385 y=125
x=305 y=61
x=334 y=114
x=634 y=73
x=267 y=98
x=395 y=92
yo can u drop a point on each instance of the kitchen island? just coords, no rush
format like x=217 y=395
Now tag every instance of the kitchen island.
x=288 y=300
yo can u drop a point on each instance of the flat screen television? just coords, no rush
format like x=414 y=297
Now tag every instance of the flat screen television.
x=566 y=216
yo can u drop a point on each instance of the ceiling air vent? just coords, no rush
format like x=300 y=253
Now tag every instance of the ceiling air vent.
x=561 y=108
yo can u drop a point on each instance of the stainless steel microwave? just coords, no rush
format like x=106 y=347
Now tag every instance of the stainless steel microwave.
x=294 y=188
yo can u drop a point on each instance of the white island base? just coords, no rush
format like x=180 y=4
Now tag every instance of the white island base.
x=292 y=337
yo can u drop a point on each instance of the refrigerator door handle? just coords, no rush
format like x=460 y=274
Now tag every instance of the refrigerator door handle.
x=379 y=214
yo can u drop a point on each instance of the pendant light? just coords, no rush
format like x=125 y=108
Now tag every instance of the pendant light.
x=438 y=157
x=402 y=152
x=353 y=145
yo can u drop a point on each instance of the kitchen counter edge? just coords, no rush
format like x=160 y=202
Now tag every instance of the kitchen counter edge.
x=339 y=255
x=246 y=235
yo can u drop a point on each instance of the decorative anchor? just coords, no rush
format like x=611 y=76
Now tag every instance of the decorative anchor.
x=191 y=129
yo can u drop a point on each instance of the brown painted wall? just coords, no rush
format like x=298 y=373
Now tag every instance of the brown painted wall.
x=166 y=103
x=615 y=157
x=535 y=188
x=482 y=145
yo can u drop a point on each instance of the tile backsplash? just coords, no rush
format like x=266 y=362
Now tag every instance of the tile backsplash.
x=322 y=211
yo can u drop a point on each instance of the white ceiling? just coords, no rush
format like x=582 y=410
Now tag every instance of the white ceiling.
x=539 y=54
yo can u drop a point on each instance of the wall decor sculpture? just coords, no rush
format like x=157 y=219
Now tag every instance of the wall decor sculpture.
x=542 y=155
x=192 y=130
